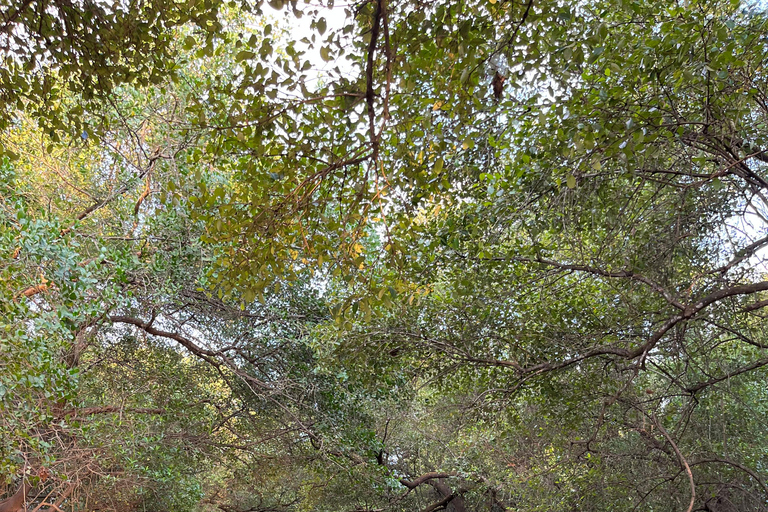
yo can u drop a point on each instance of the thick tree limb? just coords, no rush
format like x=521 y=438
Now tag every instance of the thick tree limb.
x=412 y=484
x=454 y=498
x=439 y=505
x=755 y=306
x=16 y=502
x=55 y=505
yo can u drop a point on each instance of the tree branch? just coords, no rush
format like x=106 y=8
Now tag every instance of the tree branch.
x=412 y=484
x=683 y=462
x=688 y=312
x=117 y=193
x=443 y=503
x=738 y=466
x=369 y=92
x=628 y=274
x=741 y=255
x=744 y=369
x=205 y=354
x=91 y=411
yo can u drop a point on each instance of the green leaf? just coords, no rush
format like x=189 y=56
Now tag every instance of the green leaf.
x=244 y=55
x=438 y=168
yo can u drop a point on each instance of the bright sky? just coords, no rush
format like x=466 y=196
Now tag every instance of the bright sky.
x=335 y=19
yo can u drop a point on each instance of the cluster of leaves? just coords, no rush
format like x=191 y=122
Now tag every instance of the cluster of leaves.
x=52 y=48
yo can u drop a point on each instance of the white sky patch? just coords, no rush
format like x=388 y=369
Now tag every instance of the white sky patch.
x=335 y=19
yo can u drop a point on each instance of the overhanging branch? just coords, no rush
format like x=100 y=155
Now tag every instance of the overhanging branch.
x=412 y=484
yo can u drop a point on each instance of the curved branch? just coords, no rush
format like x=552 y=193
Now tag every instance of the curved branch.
x=738 y=466
x=755 y=306
x=738 y=334
x=714 y=380
x=628 y=274
x=683 y=462
x=205 y=354
x=443 y=503
x=412 y=484
x=642 y=351
x=742 y=255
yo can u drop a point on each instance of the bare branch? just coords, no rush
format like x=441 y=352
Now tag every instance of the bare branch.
x=744 y=369
x=628 y=274
x=742 y=255
x=683 y=462
x=207 y=355
x=745 y=469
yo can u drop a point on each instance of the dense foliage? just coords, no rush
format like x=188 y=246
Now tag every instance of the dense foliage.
x=392 y=256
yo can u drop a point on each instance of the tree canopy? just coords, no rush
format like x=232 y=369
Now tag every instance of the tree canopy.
x=487 y=255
